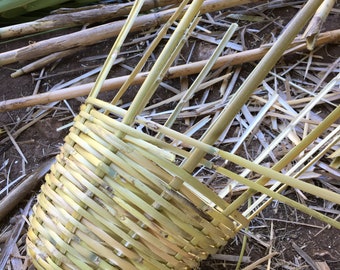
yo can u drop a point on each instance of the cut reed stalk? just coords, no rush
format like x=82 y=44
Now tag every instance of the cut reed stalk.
x=148 y=52
x=100 y=33
x=44 y=61
x=96 y=14
x=173 y=72
x=201 y=76
x=314 y=27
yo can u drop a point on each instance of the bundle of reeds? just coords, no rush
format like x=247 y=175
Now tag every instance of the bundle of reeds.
x=121 y=198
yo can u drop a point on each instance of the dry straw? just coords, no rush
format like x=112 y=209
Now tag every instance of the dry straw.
x=119 y=198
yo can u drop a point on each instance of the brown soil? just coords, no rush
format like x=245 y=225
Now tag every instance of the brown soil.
x=41 y=140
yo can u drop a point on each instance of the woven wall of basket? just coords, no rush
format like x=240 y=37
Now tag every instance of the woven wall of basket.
x=122 y=198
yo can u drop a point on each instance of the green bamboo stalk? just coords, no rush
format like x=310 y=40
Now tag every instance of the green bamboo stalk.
x=149 y=51
x=293 y=153
x=290 y=202
x=201 y=76
x=154 y=78
x=283 y=134
x=244 y=243
x=253 y=80
x=113 y=54
x=116 y=48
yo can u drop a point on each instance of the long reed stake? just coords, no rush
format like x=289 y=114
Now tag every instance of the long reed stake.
x=160 y=67
x=253 y=80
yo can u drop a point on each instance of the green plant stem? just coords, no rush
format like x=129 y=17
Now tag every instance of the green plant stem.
x=253 y=80
x=145 y=93
x=116 y=48
x=148 y=52
x=244 y=244
x=294 y=152
x=190 y=92
x=279 y=197
x=11 y=4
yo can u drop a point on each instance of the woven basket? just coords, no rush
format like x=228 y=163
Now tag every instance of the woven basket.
x=120 y=198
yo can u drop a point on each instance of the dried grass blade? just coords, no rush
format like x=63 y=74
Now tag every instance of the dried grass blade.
x=15 y=144
x=225 y=191
x=260 y=261
x=305 y=256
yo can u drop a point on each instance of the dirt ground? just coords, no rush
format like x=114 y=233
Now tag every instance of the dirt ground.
x=279 y=227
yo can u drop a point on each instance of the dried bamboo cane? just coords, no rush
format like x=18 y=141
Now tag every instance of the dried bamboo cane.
x=174 y=72
x=101 y=33
x=94 y=14
x=44 y=61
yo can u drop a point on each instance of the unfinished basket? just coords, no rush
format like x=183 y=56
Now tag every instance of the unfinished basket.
x=121 y=198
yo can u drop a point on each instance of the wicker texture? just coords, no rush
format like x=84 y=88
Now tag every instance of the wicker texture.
x=120 y=202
